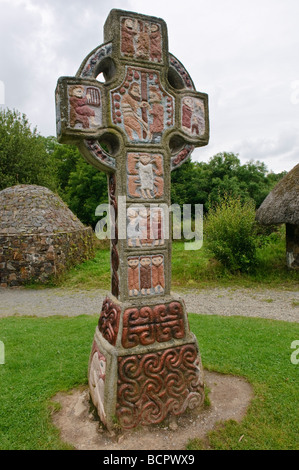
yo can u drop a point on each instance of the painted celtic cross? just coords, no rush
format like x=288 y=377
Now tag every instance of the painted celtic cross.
x=138 y=125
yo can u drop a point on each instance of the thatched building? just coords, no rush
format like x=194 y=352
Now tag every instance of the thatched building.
x=281 y=206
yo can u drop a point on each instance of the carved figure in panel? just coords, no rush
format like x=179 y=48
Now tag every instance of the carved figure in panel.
x=145 y=175
x=146 y=275
x=84 y=106
x=193 y=122
x=133 y=276
x=158 y=281
x=141 y=39
x=141 y=107
x=145 y=226
x=96 y=379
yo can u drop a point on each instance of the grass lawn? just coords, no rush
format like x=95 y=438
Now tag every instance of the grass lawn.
x=47 y=355
x=192 y=269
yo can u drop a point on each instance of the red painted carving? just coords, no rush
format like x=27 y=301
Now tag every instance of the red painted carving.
x=145 y=175
x=152 y=385
x=128 y=31
x=109 y=320
x=149 y=271
x=145 y=275
x=158 y=273
x=176 y=64
x=193 y=116
x=141 y=39
x=157 y=111
x=149 y=324
x=79 y=100
x=138 y=327
x=155 y=43
x=182 y=156
x=144 y=227
x=141 y=107
x=133 y=276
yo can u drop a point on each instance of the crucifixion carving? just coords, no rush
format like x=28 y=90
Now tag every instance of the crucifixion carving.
x=139 y=124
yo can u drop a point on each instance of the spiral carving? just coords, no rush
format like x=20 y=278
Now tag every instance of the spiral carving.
x=152 y=385
x=109 y=320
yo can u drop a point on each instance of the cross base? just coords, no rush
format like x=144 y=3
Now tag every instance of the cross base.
x=144 y=364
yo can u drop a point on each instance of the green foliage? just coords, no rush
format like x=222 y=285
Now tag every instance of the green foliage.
x=230 y=233
x=23 y=156
x=27 y=157
x=207 y=183
x=86 y=189
x=80 y=185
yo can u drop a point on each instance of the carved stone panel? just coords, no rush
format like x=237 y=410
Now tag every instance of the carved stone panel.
x=150 y=386
x=146 y=275
x=141 y=39
x=146 y=325
x=145 y=226
x=141 y=107
x=109 y=320
x=96 y=380
x=84 y=107
x=145 y=175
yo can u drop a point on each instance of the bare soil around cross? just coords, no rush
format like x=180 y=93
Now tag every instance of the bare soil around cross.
x=229 y=398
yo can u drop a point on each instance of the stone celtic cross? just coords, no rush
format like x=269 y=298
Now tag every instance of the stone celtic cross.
x=138 y=125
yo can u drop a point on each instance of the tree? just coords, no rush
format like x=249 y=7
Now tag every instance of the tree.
x=23 y=156
x=79 y=184
x=230 y=233
x=64 y=159
x=85 y=190
x=208 y=183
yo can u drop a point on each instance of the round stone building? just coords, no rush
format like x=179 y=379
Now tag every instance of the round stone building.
x=40 y=237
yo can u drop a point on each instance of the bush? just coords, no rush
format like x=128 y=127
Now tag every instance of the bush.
x=230 y=233
x=23 y=156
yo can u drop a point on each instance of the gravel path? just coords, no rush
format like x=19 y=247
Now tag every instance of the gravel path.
x=272 y=304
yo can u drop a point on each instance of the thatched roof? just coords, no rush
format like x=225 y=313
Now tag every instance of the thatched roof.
x=26 y=209
x=281 y=206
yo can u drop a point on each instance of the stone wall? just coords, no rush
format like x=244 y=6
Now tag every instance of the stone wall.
x=39 y=257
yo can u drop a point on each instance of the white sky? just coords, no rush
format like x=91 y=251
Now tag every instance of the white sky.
x=243 y=53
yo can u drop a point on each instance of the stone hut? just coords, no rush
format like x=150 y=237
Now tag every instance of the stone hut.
x=39 y=236
x=281 y=206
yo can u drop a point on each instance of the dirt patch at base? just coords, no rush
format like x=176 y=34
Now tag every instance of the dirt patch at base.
x=229 y=398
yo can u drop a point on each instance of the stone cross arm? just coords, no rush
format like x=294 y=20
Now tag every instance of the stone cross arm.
x=147 y=97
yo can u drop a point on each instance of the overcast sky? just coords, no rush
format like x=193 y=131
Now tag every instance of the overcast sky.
x=242 y=53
